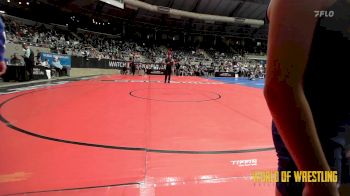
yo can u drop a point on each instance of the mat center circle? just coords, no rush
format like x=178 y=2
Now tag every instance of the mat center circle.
x=175 y=95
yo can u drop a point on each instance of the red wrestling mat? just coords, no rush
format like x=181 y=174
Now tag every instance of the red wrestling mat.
x=123 y=135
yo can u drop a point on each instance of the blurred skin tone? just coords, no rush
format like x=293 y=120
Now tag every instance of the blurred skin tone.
x=2 y=67
x=3 y=38
x=291 y=30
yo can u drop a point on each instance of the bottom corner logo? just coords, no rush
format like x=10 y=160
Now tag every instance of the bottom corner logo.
x=245 y=163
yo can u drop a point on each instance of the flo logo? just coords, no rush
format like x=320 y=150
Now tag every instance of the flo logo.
x=327 y=14
x=245 y=163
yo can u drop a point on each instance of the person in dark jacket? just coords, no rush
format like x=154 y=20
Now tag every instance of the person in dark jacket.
x=132 y=66
x=168 y=70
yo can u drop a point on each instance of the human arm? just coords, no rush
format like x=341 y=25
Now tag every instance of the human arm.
x=291 y=30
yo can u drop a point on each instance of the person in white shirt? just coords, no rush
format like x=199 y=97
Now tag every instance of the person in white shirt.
x=45 y=64
x=56 y=63
x=28 y=59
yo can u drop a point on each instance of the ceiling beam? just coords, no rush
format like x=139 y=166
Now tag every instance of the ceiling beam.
x=217 y=5
x=171 y=3
x=266 y=2
x=195 y=7
x=236 y=9
x=253 y=11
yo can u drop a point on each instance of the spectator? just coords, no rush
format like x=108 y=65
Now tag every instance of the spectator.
x=15 y=60
x=132 y=66
x=56 y=63
x=65 y=51
x=28 y=59
x=45 y=64
x=38 y=56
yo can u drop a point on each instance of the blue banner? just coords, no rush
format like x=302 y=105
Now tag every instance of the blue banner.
x=57 y=60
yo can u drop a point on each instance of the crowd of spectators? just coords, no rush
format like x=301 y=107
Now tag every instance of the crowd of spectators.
x=252 y=69
x=189 y=61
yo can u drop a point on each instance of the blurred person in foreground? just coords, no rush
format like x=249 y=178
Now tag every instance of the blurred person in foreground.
x=2 y=47
x=310 y=107
x=29 y=60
